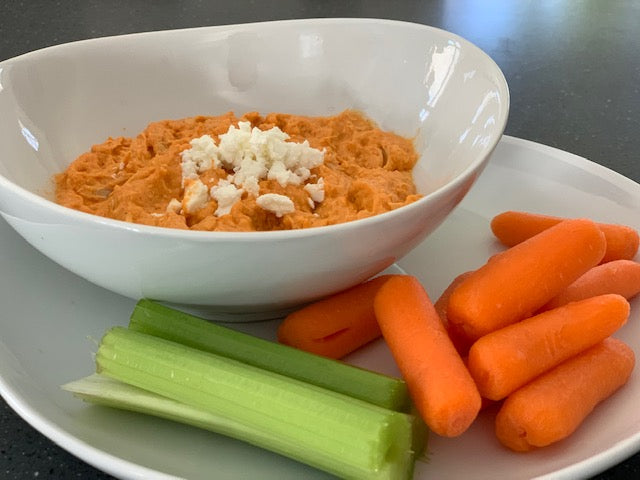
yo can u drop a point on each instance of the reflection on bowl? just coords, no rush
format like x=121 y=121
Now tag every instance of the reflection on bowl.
x=417 y=81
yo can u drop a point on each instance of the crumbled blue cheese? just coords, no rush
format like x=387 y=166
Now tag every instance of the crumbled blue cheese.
x=276 y=203
x=196 y=196
x=316 y=190
x=199 y=158
x=226 y=194
x=174 y=206
x=255 y=154
x=251 y=155
x=248 y=174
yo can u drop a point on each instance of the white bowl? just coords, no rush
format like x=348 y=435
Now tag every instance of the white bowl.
x=418 y=81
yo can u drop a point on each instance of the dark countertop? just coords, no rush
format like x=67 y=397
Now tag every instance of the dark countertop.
x=573 y=69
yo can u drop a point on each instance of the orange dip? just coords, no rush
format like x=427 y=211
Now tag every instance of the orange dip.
x=366 y=171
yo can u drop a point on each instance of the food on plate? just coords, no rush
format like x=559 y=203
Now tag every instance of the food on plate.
x=331 y=431
x=506 y=357
x=512 y=227
x=515 y=283
x=161 y=321
x=502 y=361
x=617 y=276
x=544 y=370
x=336 y=325
x=439 y=383
x=553 y=406
x=224 y=173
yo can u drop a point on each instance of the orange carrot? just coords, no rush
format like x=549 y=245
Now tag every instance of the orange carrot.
x=438 y=381
x=618 y=276
x=337 y=325
x=457 y=336
x=443 y=300
x=517 y=282
x=506 y=359
x=512 y=228
x=485 y=402
x=554 y=405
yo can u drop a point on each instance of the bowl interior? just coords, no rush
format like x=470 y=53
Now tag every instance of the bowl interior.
x=420 y=82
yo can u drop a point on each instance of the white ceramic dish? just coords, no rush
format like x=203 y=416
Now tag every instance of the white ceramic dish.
x=415 y=80
x=49 y=317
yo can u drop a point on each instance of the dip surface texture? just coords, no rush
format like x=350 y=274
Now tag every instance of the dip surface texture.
x=365 y=171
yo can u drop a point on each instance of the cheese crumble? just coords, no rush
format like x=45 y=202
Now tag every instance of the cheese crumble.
x=196 y=195
x=226 y=194
x=276 y=203
x=250 y=155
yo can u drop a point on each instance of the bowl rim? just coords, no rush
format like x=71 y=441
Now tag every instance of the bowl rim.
x=79 y=217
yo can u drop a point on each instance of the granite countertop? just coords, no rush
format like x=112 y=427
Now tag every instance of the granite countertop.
x=572 y=67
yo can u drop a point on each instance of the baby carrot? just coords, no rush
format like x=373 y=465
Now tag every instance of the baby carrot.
x=438 y=381
x=504 y=360
x=554 y=405
x=337 y=325
x=485 y=402
x=618 y=276
x=515 y=283
x=514 y=227
x=456 y=335
x=443 y=300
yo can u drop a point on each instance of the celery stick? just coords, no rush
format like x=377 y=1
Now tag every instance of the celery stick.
x=330 y=431
x=102 y=390
x=161 y=321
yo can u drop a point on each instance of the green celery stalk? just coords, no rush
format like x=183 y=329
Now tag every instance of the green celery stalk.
x=161 y=321
x=344 y=436
x=101 y=390
x=108 y=392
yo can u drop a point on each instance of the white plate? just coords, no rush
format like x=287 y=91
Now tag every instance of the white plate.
x=51 y=319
